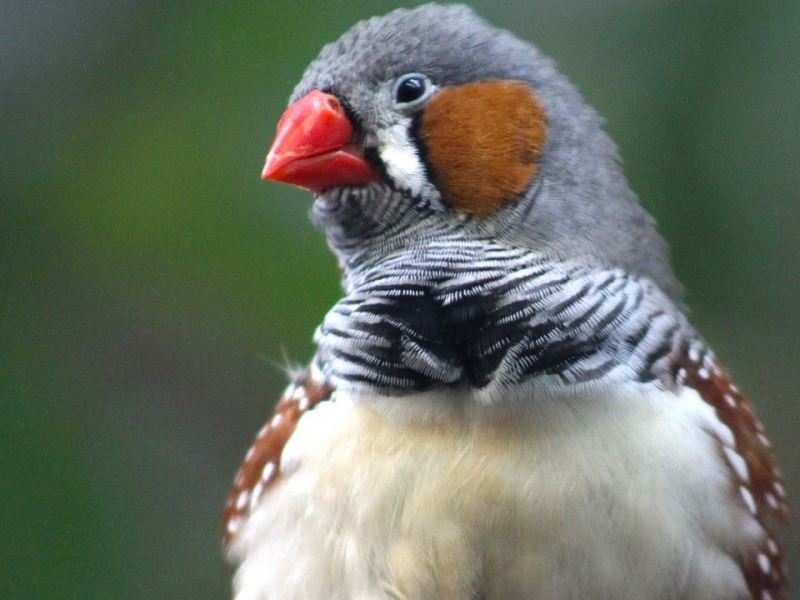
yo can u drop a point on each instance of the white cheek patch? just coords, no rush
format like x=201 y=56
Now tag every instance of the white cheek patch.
x=402 y=161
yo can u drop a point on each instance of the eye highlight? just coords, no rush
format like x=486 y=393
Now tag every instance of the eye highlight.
x=411 y=90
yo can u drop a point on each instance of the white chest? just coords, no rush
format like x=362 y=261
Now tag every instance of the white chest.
x=621 y=495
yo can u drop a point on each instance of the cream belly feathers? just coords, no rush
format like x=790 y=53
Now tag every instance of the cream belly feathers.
x=616 y=494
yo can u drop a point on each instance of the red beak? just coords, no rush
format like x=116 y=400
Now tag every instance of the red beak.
x=313 y=149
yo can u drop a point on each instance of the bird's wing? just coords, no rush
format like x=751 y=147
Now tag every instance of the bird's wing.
x=747 y=452
x=262 y=463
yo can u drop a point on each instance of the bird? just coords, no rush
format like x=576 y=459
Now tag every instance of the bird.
x=508 y=401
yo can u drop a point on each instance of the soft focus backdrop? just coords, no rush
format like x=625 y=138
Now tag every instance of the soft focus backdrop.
x=152 y=287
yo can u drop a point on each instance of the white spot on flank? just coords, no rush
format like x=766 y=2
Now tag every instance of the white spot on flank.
x=256 y=496
x=772 y=547
x=250 y=453
x=732 y=387
x=703 y=373
x=764 y=440
x=694 y=354
x=276 y=420
x=772 y=501
x=765 y=595
x=233 y=525
x=241 y=500
x=730 y=400
x=723 y=432
x=268 y=472
x=298 y=393
x=738 y=463
x=747 y=496
x=779 y=489
x=303 y=403
x=764 y=564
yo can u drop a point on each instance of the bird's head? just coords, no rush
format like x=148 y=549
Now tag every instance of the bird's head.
x=430 y=122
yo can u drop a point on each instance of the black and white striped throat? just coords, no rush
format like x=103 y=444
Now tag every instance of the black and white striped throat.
x=472 y=314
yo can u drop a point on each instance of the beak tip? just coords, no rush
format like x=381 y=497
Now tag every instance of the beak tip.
x=270 y=168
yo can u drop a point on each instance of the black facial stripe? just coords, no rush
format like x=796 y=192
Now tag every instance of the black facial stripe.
x=374 y=158
x=422 y=150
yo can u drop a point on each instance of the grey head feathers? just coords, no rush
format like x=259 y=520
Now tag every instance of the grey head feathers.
x=565 y=285
x=579 y=206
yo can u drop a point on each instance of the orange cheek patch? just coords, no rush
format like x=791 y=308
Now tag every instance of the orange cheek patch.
x=483 y=143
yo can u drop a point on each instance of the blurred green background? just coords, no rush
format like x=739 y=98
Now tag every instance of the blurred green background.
x=152 y=285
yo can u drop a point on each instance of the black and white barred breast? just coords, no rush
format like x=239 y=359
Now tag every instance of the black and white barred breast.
x=472 y=313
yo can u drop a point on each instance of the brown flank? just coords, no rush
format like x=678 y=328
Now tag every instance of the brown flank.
x=761 y=490
x=261 y=467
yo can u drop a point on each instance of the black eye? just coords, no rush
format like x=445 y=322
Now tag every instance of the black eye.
x=410 y=89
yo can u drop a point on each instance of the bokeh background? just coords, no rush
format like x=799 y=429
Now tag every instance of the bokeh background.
x=152 y=288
